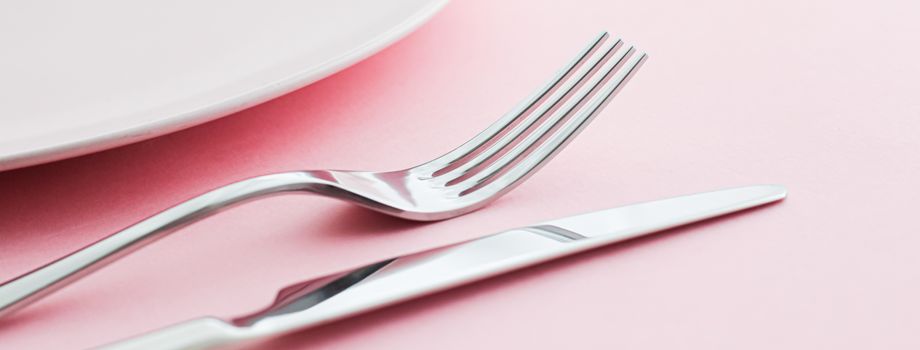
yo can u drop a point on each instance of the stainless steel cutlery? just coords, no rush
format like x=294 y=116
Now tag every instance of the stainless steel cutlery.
x=390 y=281
x=461 y=181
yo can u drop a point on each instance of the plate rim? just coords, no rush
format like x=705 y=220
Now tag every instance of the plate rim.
x=45 y=152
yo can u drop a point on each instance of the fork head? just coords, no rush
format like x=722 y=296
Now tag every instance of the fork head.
x=508 y=151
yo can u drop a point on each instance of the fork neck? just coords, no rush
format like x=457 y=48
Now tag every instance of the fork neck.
x=265 y=185
x=294 y=181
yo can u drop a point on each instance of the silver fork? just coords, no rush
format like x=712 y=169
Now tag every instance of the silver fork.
x=461 y=181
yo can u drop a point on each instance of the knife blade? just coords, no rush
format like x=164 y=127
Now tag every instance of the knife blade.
x=333 y=297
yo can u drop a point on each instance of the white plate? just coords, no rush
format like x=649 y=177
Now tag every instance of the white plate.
x=81 y=76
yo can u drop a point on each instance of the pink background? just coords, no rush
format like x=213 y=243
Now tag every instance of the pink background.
x=821 y=96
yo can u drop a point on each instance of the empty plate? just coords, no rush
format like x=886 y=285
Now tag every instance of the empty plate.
x=79 y=77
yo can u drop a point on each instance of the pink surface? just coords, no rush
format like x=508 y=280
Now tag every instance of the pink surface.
x=821 y=96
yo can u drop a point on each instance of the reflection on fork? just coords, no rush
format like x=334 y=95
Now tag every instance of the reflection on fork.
x=461 y=181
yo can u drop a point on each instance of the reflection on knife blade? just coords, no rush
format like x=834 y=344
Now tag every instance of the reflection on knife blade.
x=386 y=282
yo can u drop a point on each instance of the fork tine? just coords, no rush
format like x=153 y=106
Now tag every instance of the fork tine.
x=558 y=141
x=509 y=118
x=561 y=94
x=603 y=69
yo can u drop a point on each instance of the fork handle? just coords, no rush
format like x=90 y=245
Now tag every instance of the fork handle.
x=44 y=280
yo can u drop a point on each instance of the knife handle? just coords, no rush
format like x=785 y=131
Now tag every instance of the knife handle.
x=198 y=333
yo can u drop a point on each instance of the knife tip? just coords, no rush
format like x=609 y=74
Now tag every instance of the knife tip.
x=774 y=192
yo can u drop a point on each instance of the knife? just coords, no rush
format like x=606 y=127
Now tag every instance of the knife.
x=390 y=281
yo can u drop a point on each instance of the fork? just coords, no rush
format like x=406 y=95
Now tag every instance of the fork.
x=463 y=180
